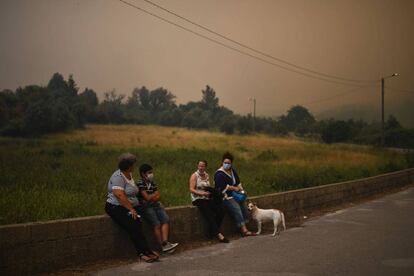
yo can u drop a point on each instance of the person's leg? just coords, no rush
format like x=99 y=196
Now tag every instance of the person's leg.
x=218 y=211
x=164 y=232
x=150 y=215
x=207 y=211
x=244 y=211
x=235 y=212
x=163 y=219
x=158 y=233
x=133 y=227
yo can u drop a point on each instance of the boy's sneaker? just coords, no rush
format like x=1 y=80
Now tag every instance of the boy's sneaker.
x=169 y=246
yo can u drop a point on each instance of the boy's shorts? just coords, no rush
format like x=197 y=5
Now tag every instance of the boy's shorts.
x=154 y=214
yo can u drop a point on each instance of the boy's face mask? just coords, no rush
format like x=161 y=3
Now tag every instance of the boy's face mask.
x=150 y=176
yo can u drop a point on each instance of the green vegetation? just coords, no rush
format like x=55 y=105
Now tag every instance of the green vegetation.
x=66 y=175
x=36 y=110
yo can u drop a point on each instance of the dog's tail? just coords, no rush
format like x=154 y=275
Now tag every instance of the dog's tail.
x=283 y=220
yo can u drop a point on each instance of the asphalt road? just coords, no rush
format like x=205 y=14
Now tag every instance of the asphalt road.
x=374 y=238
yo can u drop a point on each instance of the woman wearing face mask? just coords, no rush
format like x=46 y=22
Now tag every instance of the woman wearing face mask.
x=226 y=181
x=209 y=208
x=152 y=210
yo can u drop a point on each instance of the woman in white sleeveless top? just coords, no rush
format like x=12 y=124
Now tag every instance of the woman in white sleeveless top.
x=209 y=209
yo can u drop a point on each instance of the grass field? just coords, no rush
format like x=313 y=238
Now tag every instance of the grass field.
x=66 y=175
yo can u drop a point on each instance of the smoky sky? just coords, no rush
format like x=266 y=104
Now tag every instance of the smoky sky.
x=108 y=45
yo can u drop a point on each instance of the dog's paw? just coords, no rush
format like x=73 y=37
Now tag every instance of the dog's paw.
x=257 y=233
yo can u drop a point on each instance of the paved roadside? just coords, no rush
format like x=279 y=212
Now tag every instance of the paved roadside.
x=373 y=238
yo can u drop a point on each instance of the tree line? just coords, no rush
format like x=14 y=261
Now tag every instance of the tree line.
x=36 y=110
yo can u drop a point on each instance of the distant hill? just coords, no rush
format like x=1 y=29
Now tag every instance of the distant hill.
x=403 y=111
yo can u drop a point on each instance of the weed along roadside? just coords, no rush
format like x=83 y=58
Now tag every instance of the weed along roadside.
x=65 y=175
x=50 y=246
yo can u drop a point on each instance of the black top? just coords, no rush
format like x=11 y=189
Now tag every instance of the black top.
x=149 y=187
x=222 y=179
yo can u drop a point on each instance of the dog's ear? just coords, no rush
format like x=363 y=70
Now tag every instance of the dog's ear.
x=254 y=203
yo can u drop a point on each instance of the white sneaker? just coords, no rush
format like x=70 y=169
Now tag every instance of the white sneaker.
x=169 y=246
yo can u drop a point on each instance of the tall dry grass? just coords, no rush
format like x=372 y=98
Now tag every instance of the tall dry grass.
x=66 y=175
x=288 y=150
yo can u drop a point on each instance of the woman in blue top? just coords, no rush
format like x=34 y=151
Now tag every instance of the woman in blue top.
x=226 y=181
x=121 y=206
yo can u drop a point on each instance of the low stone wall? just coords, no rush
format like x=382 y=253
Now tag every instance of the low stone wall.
x=47 y=246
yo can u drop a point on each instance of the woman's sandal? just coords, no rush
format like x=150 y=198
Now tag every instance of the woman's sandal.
x=223 y=240
x=248 y=234
x=155 y=255
x=146 y=258
x=149 y=257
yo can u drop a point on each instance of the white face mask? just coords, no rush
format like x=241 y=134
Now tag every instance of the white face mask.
x=150 y=176
x=226 y=166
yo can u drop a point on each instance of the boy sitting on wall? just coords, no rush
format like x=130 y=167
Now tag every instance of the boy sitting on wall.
x=152 y=210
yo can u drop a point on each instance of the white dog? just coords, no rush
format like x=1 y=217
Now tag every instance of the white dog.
x=261 y=215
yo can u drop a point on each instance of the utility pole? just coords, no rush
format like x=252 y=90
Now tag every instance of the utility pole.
x=254 y=113
x=382 y=107
x=382 y=114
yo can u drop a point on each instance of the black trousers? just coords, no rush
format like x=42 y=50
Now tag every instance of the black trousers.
x=212 y=212
x=133 y=227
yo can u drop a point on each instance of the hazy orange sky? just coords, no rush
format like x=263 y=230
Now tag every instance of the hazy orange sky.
x=108 y=45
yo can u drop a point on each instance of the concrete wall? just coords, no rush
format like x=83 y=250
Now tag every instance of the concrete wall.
x=47 y=246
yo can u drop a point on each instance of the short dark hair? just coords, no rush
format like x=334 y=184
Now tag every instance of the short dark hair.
x=144 y=168
x=227 y=155
x=204 y=161
x=126 y=160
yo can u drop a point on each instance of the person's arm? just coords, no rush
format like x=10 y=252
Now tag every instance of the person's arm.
x=220 y=181
x=155 y=196
x=234 y=188
x=122 y=198
x=238 y=185
x=192 y=187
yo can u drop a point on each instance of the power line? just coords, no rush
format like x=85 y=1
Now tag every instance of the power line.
x=399 y=90
x=233 y=48
x=338 y=95
x=355 y=90
x=255 y=50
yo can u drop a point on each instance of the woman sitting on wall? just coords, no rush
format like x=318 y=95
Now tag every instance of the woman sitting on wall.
x=210 y=209
x=228 y=183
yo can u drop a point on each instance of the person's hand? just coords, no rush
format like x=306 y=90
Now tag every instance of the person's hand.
x=237 y=188
x=206 y=194
x=133 y=213
x=155 y=196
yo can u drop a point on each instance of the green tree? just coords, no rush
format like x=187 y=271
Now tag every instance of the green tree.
x=111 y=110
x=209 y=100
x=244 y=124
x=196 y=118
x=139 y=99
x=334 y=131
x=58 y=86
x=8 y=102
x=161 y=99
x=228 y=124
x=89 y=100
x=298 y=119
x=392 y=123
x=72 y=86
